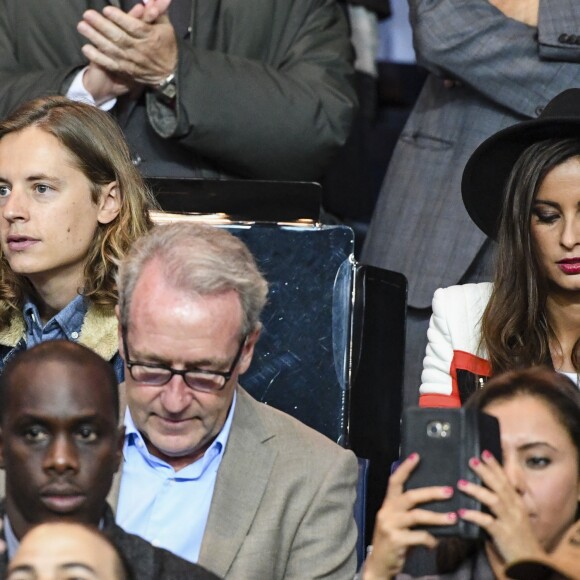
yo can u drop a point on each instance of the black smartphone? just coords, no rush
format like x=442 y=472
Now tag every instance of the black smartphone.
x=446 y=439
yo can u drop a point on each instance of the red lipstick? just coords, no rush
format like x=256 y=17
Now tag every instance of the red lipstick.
x=570 y=266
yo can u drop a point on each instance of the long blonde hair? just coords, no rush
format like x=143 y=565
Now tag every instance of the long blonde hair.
x=96 y=144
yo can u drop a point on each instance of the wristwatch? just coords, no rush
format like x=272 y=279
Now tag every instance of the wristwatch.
x=167 y=88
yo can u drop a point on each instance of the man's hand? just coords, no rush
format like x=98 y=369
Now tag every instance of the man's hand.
x=137 y=47
x=525 y=11
x=150 y=10
x=103 y=85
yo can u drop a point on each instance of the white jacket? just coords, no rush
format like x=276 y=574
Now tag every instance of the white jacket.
x=454 y=337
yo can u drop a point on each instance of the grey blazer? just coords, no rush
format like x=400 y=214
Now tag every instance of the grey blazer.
x=283 y=501
x=505 y=72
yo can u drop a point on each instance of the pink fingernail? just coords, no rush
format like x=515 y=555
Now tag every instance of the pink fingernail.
x=486 y=454
x=462 y=483
x=413 y=456
x=474 y=462
x=461 y=512
x=452 y=516
x=448 y=491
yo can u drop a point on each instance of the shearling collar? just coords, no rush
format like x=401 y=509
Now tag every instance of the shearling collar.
x=98 y=332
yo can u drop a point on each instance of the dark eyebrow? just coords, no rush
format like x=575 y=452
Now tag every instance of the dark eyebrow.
x=22 y=568
x=37 y=177
x=533 y=444
x=67 y=566
x=70 y=565
x=82 y=415
x=155 y=360
x=46 y=422
x=546 y=202
x=44 y=177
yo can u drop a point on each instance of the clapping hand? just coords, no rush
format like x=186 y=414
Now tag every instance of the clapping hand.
x=127 y=50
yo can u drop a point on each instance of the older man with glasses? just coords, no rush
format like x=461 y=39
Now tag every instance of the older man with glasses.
x=209 y=473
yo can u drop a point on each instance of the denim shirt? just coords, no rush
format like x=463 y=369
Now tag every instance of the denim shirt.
x=65 y=325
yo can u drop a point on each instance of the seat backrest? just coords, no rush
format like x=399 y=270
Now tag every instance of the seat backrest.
x=376 y=392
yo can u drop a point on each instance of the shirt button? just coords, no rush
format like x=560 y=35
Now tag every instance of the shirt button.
x=563 y=38
x=74 y=335
x=139 y=443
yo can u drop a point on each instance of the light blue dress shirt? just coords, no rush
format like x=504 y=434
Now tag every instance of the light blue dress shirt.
x=12 y=542
x=165 y=507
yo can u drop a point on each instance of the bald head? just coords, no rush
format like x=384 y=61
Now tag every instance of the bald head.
x=62 y=550
x=86 y=363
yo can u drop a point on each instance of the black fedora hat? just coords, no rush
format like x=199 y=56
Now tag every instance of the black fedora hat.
x=488 y=169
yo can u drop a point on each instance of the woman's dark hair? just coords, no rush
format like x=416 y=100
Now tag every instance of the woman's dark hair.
x=516 y=329
x=554 y=389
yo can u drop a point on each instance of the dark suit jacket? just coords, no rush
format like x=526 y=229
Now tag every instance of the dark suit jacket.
x=282 y=506
x=506 y=72
x=146 y=561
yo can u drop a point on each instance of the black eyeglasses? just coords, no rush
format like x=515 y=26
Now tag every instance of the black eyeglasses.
x=157 y=375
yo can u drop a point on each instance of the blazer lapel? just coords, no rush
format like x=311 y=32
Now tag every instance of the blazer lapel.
x=242 y=479
x=113 y=497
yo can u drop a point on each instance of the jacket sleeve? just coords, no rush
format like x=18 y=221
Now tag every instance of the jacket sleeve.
x=277 y=114
x=37 y=56
x=316 y=553
x=501 y=58
x=454 y=344
x=559 y=30
x=435 y=378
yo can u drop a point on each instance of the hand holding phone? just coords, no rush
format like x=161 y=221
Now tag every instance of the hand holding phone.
x=446 y=439
x=400 y=513
x=506 y=522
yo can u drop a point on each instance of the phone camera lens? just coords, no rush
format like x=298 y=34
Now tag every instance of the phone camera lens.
x=434 y=429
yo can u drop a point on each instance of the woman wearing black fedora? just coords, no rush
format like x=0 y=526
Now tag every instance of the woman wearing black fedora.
x=522 y=188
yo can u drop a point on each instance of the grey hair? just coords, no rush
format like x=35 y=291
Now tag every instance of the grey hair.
x=200 y=259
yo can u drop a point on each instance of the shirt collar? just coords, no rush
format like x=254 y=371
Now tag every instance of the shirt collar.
x=12 y=542
x=69 y=319
x=132 y=436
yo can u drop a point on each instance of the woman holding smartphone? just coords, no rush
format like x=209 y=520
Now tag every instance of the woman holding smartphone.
x=533 y=498
x=522 y=188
